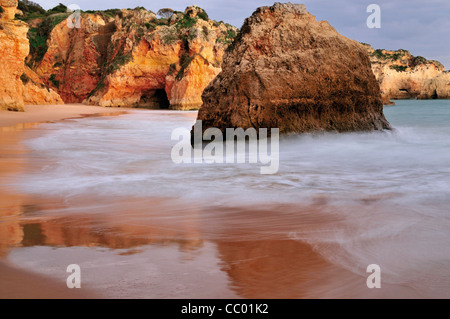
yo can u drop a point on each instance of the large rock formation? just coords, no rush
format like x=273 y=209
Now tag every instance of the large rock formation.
x=437 y=87
x=286 y=70
x=74 y=59
x=129 y=57
x=163 y=64
x=13 y=50
x=400 y=74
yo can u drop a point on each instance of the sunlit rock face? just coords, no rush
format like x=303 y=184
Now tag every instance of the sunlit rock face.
x=130 y=58
x=289 y=71
x=14 y=48
x=163 y=65
x=73 y=60
x=437 y=87
x=400 y=74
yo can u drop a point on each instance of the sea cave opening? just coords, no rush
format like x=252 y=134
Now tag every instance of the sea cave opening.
x=154 y=99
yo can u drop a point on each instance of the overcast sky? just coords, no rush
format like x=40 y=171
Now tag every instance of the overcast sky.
x=420 y=26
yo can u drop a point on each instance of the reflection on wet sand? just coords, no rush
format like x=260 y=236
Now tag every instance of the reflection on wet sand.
x=271 y=268
x=257 y=256
x=251 y=246
x=12 y=163
x=92 y=231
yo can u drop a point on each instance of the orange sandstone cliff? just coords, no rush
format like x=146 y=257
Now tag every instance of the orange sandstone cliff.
x=36 y=92
x=156 y=64
x=13 y=51
x=130 y=58
x=19 y=85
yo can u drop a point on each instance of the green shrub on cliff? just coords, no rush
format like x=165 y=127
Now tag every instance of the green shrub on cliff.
x=119 y=61
x=150 y=26
x=419 y=60
x=30 y=8
x=387 y=56
x=38 y=37
x=60 y=8
x=186 y=23
x=228 y=37
x=203 y=15
x=169 y=35
x=398 y=68
x=110 y=13
x=55 y=82
x=185 y=60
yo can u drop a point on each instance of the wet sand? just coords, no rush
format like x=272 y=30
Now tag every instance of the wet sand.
x=156 y=247
x=46 y=113
x=19 y=284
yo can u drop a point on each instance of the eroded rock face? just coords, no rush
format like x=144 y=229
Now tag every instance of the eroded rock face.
x=14 y=48
x=437 y=87
x=9 y=8
x=288 y=71
x=74 y=59
x=36 y=92
x=155 y=64
x=400 y=74
x=129 y=58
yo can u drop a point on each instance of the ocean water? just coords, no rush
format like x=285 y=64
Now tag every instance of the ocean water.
x=355 y=199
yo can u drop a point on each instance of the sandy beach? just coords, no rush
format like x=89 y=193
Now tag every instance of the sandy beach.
x=17 y=283
x=162 y=234
x=47 y=113
x=110 y=199
x=300 y=156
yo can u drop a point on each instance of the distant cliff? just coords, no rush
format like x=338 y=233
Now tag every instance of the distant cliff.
x=402 y=75
x=437 y=87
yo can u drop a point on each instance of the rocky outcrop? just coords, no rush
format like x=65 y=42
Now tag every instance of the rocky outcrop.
x=286 y=70
x=156 y=63
x=400 y=74
x=8 y=10
x=74 y=58
x=129 y=57
x=35 y=91
x=437 y=87
x=14 y=48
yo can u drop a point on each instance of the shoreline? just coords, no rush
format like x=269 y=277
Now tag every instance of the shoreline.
x=50 y=113
x=17 y=283
x=142 y=246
